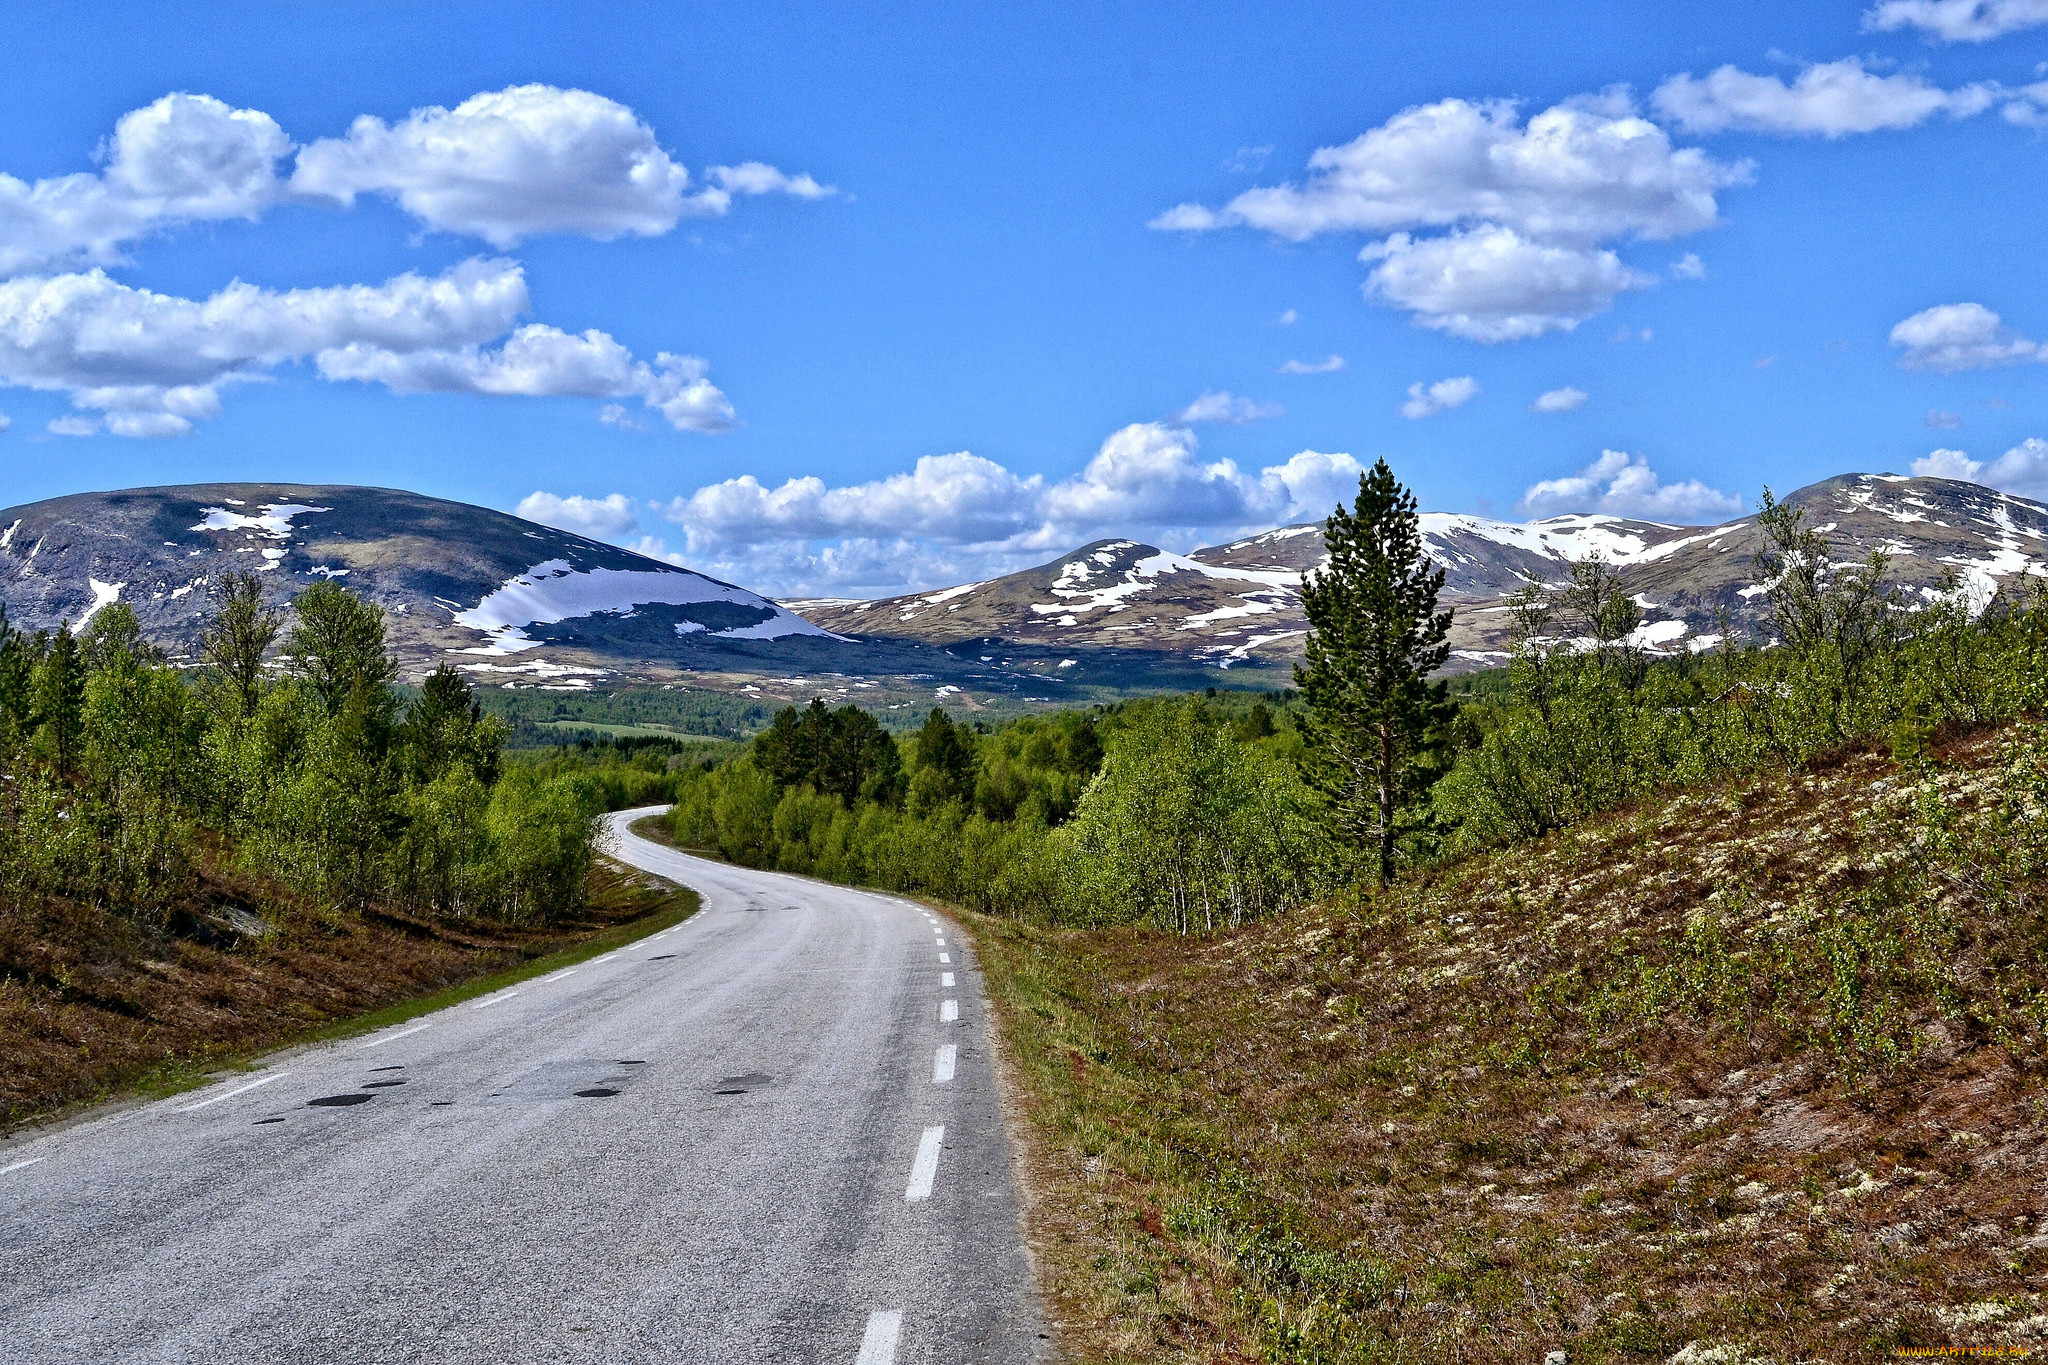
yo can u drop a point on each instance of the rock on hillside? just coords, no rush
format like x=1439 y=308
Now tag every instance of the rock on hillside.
x=504 y=598
x=1241 y=602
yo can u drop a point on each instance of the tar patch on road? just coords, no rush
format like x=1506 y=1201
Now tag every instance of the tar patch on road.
x=339 y=1101
x=740 y=1085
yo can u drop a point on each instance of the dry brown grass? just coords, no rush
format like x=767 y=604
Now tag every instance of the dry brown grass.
x=92 y=1000
x=1609 y=1094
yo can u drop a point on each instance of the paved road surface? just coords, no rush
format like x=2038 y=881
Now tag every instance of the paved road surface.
x=769 y=1134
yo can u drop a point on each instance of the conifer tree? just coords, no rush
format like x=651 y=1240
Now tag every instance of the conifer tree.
x=1373 y=717
x=60 y=697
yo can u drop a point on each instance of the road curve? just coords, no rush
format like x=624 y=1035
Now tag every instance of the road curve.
x=741 y=1140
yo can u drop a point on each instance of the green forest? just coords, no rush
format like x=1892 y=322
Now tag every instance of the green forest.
x=290 y=759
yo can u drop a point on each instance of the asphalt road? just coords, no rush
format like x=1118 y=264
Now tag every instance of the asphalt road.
x=771 y=1133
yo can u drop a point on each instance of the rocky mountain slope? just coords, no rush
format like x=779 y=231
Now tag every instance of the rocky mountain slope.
x=501 y=597
x=1240 y=603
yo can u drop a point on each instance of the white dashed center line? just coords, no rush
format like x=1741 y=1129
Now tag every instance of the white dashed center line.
x=878 y=1344
x=949 y=1010
x=945 y=957
x=566 y=971
x=394 y=1037
x=926 y=1168
x=498 y=999
x=240 y=1089
x=942 y=943
x=945 y=978
x=19 y=1164
x=942 y=1063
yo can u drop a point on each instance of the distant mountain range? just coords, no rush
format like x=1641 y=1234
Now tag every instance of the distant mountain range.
x=1240 y=603
x=519 y=604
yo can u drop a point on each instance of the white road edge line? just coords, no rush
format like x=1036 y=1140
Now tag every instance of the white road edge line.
x=942 y=1064
x=240 y=1089
x=926 y=1168
x=394 y=1037
x=945 y=978
x=500 y=998
x=949 y=1010
x=878 y=1343
x=19 y=1164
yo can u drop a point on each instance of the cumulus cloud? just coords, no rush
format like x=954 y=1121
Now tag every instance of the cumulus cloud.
x=1525 y=209
x=1946 y=464
x=961 y=515
x=1492 y=284
x=1566 y=399
x=1442 y=396
x=150 y=364
x=1689 y=267
x=1826 y=99
x=606 y=518
x=525 y=161
x=182 y=159
x=1958 y=21
x=1624 y=485
x=1288 y=318
x=1327 y=365
x=2022 y=469
x=1961 y=336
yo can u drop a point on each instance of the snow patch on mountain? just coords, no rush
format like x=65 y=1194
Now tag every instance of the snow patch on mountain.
x=556 y=590
x=103 y=595
x=275 y=522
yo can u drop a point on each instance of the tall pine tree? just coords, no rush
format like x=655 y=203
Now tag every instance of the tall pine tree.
x=1374 y=719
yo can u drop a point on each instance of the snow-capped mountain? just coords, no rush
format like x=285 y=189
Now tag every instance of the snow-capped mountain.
x=503 y=598
x=1240 y=603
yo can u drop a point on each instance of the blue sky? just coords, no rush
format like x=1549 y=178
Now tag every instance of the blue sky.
x=951 y=235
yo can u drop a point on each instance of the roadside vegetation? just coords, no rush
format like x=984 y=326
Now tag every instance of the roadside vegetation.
x=286 y=804
x=1641 y=1006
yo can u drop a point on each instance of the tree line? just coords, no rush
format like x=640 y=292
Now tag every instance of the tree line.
x=290 y=754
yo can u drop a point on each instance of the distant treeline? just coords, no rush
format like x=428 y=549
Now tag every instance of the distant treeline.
x=126 y=783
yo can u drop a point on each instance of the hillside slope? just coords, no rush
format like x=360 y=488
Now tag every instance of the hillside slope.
x=1755 y=1071
x=1240 y=603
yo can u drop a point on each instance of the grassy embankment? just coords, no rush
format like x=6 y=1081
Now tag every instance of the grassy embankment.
x=95 y=1004
x=1749 y=1071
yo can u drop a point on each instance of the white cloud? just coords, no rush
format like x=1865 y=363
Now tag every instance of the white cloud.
x=6 y=422
x=1961 y=336
x=758 y=177
x=1946 y=464
x=606 y=518
x=1225 y=408
x=1526 y=208
x=512 y=164
x=2022 y=469
x=1943 y=421
x=1441 y=396
x=1566 y=399
x=151 y=364
x=1828 y=99
x=1327 y=365
x=184 y=158
x=73 y=426
x=542 y=361
x=1958 y=21
x=1624 y=485
x=1288 y=318
x=960 y=516
x=1492 y=284
x=1689 y=267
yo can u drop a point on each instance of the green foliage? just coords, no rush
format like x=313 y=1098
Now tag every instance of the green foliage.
x=1373 y=721
x=1031 y=819
x=844 y=753
x=117 y=772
